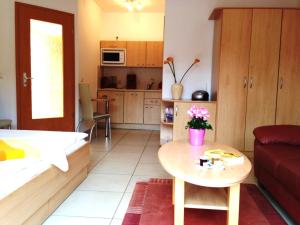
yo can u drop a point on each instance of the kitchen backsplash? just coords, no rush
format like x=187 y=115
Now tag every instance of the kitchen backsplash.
x=144 y=76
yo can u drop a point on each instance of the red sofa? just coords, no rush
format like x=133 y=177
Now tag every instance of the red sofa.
x=277 y=165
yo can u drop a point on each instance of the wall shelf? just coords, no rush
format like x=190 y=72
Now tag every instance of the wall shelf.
x=167 y=123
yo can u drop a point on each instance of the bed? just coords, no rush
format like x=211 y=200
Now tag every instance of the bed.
x=31 y=189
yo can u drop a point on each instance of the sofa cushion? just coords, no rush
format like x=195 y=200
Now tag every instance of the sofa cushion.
x=288 y=134
x=271 y=156
x=289 y=175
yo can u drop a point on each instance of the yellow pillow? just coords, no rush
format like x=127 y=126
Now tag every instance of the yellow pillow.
x=8 y=152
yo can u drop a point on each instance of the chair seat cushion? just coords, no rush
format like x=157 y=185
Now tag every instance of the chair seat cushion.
x=99 y=116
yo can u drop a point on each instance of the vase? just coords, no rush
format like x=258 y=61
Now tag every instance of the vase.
x=177 y=91
x=197 y=136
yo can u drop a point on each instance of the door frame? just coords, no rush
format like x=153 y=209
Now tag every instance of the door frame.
x=68 y=83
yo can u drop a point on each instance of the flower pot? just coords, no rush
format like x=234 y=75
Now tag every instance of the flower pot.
x=197 y=136
x=177 y=91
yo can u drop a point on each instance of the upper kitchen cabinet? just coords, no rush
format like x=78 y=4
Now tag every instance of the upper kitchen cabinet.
x=154 y=54
x=136 y=53
x=113 y=44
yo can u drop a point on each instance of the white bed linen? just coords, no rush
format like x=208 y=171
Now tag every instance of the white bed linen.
x=16 y=173
x=51 y=145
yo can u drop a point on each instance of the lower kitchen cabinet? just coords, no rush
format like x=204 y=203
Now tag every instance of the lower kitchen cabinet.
x=151 y=114
x=152 y=108
x=116 y=105
x=133 y=107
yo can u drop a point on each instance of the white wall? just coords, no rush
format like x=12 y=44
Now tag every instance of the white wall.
x=189 y=34
x=134 y=26
x=89 y=26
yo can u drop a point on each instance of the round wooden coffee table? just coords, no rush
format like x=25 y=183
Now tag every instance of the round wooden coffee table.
x=194 y=187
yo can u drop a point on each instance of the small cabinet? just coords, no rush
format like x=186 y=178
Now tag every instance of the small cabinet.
x=113 y=44
x=136 y=54
x=175 y=130
x=133 y=107
x=116 y=105
x=154 y=54
x=181 y=118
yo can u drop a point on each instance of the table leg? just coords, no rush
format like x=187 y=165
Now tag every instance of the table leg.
x=179 y=202
x=233 y=204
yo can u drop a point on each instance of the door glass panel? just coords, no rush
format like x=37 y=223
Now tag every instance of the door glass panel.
x=46 y=50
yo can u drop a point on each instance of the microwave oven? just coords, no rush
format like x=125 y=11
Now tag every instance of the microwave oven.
x=113 y=57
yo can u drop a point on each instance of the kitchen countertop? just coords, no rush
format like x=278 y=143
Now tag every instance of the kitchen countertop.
x=135 y=90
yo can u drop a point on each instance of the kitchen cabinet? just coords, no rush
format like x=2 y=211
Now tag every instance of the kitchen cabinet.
x=139 y=53
x=152 y=110
x=113 y=44
x=288 y=99
x=152 y=114
x=116 y=105
x=247 y=46
x=134 y=107
x=175 y=130
x=154 y=54
x=136 y=54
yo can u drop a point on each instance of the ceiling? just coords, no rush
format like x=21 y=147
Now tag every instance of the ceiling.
x=119 y=5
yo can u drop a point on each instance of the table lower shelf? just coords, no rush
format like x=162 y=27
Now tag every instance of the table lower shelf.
x=199 y=197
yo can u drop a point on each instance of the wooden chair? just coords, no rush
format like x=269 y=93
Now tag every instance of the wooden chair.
x=88 y=112
x=86 y=126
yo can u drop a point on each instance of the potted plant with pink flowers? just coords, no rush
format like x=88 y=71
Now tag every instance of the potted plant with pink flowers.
x=198 y=124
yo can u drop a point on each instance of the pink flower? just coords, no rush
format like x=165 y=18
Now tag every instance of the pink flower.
x=190 y=113
x=199 y=118
x=198 y=112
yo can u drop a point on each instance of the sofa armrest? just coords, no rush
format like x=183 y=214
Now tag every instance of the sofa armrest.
x=284 y=134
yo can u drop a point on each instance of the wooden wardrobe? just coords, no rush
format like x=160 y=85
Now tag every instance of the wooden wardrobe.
x=256 y=71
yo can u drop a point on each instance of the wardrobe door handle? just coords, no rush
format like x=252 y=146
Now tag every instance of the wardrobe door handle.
x=281 y=83
x=251 y=82
x=245 y=82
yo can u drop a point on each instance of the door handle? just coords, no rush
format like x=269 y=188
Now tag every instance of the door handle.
x=251 y=82
x=281 y=83
x=245 y=82
x=176 y=110
x=25 y=79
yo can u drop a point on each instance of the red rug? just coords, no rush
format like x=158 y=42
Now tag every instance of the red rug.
x=151 y=204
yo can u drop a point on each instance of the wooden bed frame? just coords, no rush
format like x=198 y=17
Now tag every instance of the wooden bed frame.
x=36 y=200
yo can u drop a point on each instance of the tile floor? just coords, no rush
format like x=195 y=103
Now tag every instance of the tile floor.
x=115 y=167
